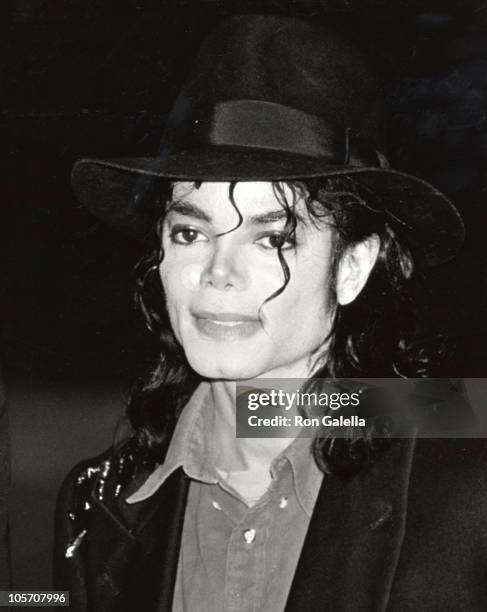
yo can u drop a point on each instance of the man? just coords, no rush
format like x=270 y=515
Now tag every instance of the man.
x=285 y=248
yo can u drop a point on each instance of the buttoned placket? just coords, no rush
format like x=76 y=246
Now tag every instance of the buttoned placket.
x=246 y=549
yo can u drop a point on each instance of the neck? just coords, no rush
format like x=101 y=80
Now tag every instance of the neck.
x=232 y=453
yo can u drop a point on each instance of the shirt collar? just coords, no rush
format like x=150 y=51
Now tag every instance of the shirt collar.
x=190 y=449
x=307 y=476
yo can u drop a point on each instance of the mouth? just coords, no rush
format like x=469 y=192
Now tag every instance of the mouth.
x=225 y=323
x=224 y=317
x=226 y=326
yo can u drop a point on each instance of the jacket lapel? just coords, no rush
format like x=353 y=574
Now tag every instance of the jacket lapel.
x=134 y=549
x=352 y=547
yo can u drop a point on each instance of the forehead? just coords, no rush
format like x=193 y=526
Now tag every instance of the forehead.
x=250 y=197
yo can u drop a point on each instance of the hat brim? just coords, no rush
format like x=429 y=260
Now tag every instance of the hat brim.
x=109 y=188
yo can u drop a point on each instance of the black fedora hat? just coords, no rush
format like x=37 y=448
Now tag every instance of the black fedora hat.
x=275 y=98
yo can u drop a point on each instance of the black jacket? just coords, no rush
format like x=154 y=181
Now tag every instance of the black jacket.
x=407 y=534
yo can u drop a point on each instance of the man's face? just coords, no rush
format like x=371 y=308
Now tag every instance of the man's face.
x=216 y=285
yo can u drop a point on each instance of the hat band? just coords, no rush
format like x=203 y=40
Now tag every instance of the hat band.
x=256 y=124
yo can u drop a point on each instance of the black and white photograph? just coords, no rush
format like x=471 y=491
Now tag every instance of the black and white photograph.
x=243 y=335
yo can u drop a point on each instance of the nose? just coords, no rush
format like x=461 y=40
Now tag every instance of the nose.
x=224 y=268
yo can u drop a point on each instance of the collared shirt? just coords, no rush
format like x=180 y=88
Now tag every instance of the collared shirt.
x=233 y=557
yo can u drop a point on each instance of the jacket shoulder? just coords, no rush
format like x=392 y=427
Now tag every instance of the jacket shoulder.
x=78 y=485
x=453 y=460
x=448 y=489
x=105 y=478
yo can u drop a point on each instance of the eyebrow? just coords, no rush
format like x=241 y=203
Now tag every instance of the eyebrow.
x=191 y=210
x=188 y=210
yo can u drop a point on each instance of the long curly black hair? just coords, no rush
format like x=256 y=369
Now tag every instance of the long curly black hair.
x=382 y=333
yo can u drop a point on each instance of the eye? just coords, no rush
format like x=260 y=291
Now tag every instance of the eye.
x=186 y=235
x=277 y=240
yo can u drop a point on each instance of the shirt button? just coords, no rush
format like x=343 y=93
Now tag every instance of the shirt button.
x=249 y=535
x=283 y=502
x=216 y=505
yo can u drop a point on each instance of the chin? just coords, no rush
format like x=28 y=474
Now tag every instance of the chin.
x=225 y=369
x=237 y=360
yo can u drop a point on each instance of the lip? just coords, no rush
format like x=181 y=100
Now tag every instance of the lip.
x=224 y=316
x=226 y=326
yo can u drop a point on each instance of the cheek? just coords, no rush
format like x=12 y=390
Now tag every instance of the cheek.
x=179 y=283
x=180 y=270
x=179 y=279
x=305 y=306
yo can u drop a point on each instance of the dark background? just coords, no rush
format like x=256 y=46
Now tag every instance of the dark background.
x=96 y=78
